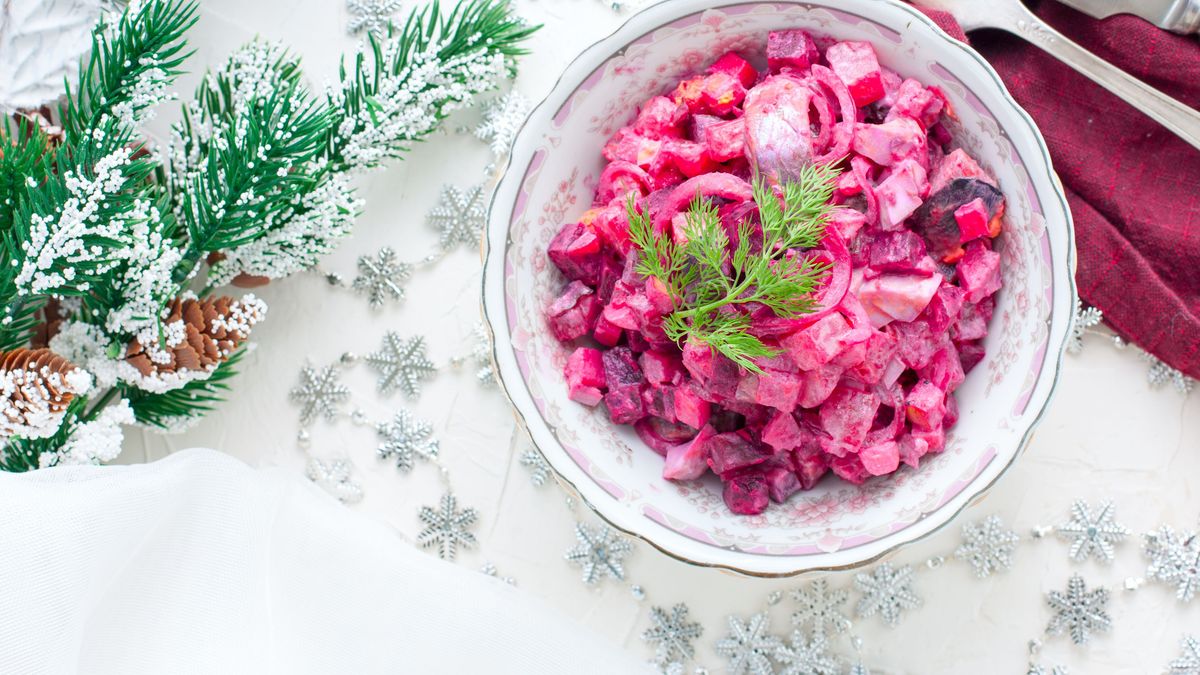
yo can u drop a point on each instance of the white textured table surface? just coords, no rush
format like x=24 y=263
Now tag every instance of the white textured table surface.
x=1107 y=434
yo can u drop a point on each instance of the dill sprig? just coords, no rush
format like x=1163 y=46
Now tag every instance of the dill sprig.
x=714 y=287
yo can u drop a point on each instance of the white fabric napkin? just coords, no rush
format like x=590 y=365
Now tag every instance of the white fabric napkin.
x=200 y=564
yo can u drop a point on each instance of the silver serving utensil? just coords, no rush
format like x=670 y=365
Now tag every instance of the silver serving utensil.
x=1013 y=17
x=1180 y=16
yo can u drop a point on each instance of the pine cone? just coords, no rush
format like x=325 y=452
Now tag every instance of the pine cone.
x=50 y=320
x=200 y=335
x=36 y=386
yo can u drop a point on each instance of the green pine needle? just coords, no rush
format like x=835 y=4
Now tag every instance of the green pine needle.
x=714 y=287
x=192 y=399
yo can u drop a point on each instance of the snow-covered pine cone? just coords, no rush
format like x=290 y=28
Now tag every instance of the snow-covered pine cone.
x=36 y=386
x=200 y=335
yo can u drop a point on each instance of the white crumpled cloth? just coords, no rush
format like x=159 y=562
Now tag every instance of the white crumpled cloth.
x=199 y=564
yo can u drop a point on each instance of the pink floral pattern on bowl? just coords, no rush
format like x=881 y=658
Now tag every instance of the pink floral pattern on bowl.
x=553 y=170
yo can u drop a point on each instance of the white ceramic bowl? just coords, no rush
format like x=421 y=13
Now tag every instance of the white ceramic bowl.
x=553 y=170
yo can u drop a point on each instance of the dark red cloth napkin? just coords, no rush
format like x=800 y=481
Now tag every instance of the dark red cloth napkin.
x=1133 y=186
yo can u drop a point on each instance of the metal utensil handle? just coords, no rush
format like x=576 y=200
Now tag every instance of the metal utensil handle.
x=1184 y=17
x=1179 y=118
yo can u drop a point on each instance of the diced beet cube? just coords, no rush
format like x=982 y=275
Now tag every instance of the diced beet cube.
x=782 y=432
x=730 y=452
x=944 y=369
x=973 y=323
x=856 y=64
x=819 y=384
x=722 y=93
x=954 y=165
x=915 y=343
x=661 y=117
x=620 y=315
x=746 y=494
x=619 y=180
x=732 y=64
x=659 y=402
x=902 y=251
x=659 y=297
x=815 y=345
x=847 y=416
x=585 y=376
x=847 y=222
x=912 y=450
x=914 y=101
x=621 y=368
x=935 y=439
x=881 y=459
x=850 y=469
x=629 y=146
x=791 y=49
x=690 y=408
x=881 y=347
x=700 y=126
x=662 y=435
x=576 y=251
x=925 y=405
x=979 y=271
x=661 y=367
x=972 y=219
x=690 y=158
x=944 y=309
x=970 y=354
x=901 y=193
x=625 y=404
x=889 y=143
x=747 y=388
x=778 y=389
x=606 y=332
x=573 y=313
x=688 y=92
x=810 y=465
x=900 y=297
x=781 y=483
x=688 y=460
x=699 y=360
x=726 y=140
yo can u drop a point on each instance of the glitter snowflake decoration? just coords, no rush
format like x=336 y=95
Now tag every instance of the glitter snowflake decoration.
x=446 y=527
x=820 y=607
x=381 y=278
x=599 y=553
x=1041 y=670
x=1085 y=318
x=1092 y=534
x=858 y=669
x=1188 y=662
x=1160 y=374
x=406 y=438
x=372 y=16
x=1079 y=611
x=806 y=656
x=481 y=354
x=319 y=394
x=539 y=468
x=1174 y=559
x=334 y=476
x=672 y=634
x=460 y=216
x=988 y=546
x=749 y=647
x=502 y=118
x=886 y=591
x=402 y=363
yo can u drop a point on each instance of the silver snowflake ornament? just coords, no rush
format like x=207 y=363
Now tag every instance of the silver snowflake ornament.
x=334 y=476
x=988 y=546
x=405 y=438
x=749 y=647
x=459 y=217
x=820 y=608
x=381 y=278
x=886 y=591
x=806 y=656
x=539 y=468
x=481 y=354
x=319 y=394
x=502 y=118
x=446 y=527
x=1084 y=318
x=1092 y=535
x=1035 y=669
x=1079 y=611
x=402 y=363
x=858 y=669
x=1160 y=374
x=1188 y=662
x=599 y=553
x=1175 y=560
x=372 y=16
x=672 y=634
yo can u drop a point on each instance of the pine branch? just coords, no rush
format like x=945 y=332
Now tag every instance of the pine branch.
x=189 y=401
x=22 y=146
x=22 y=454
